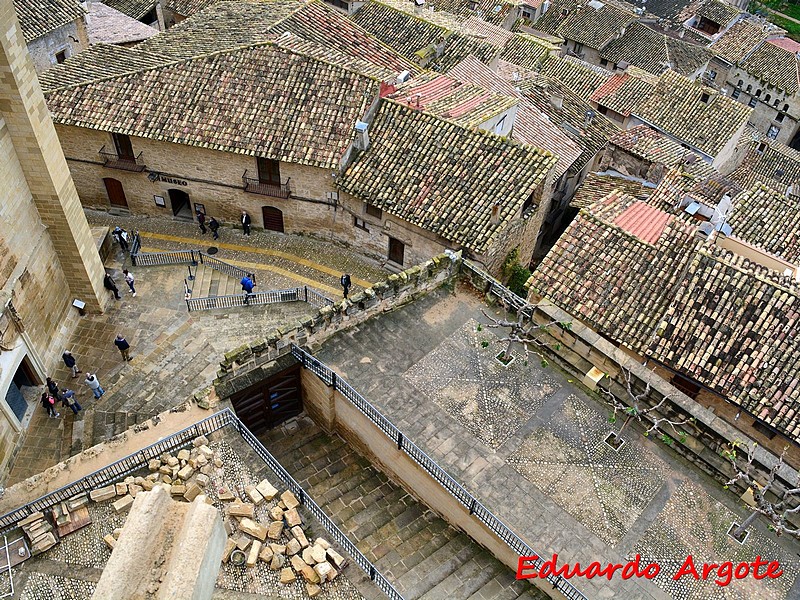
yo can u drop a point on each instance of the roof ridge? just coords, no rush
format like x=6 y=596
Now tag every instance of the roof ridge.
x=189 y=59
x=724 y=257
x=491 y=135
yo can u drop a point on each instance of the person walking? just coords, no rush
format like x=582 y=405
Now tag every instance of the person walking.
x=110 y=284
x=94 y=384
x=122 y=237
x=49 y=404
x=52 y=387
x=246 y=223
x=345 y=281
x=130 y=281
x=71 y=363
x=124 y=347
x=213 y=225
x=247 y=287
x=68 y=399
x=201 y=220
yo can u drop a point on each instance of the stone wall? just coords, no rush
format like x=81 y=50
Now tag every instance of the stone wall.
x=43 y=50
x=48 y=256
x=235 y=371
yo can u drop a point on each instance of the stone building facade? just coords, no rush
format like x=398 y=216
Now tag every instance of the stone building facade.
x=48 y=257
x=53 y=30
x=58 y=45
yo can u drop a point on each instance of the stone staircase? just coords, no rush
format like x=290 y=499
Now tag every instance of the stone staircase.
x=211 y=282
x=423 y=556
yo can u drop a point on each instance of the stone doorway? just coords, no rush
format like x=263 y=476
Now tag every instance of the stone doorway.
x=181 y=205
x=116 y=195
x=273 y=218
x=271 y=401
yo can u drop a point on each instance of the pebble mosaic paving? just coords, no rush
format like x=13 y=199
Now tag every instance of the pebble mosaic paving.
x=694 y=523
x=489 y=399
x=41 y=586
x=604 y=489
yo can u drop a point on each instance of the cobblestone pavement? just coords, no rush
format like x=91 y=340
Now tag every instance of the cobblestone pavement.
x=175 y=353
x=71 y=569
x=547 y=472
x=415 y=549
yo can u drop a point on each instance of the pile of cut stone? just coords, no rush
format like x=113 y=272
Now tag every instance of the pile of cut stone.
x=184 y=476
x=39 y=532
x=316 y=563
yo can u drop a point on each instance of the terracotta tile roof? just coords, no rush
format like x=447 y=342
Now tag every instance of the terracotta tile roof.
x=718 y=12
x=97 y=62
x=531 y=126
x=108 y=25
x=598 y=186
x=774 y=66
x=767 y=219
x=623 y=92
x=655 y=52
x=582 y=78
x=491 y=11
x=443 y=177
x=612 y=280
x=497 y=36
x=187 y=8
x=263 y=101
x=136 y=9
x=413 y=37
x=740 y=40
x=732 y=327
x=591 y=135
x=225 y=25
x=37 y=18
x=787 y=44
x=771 y=163
x=644 y=221
x=527 y=51
x=447 y=98
x=677 y=108
x=649 y=144
x=593 y=27
x=312 y=28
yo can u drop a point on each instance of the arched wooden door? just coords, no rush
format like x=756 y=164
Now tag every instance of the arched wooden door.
x=116 y=195
x=270 y=402
x=273 y=218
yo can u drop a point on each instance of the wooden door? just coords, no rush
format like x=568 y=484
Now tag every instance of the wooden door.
x=397 y=250
x=269 y=171
x=270 y=402
x=273 y=218
x=122 y=143
x=116 y=195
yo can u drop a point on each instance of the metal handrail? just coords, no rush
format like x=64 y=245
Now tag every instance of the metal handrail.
x=256 y=186
x=224 y=267
x=126 y=163
x=476 y=508
x=139 y=460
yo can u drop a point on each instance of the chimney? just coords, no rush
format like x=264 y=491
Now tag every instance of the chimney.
x=589 y=117
x=557 y=100
x=418 y=6
x=403 y=76
x=417 y=99
x=362 y=136
x=495 y=213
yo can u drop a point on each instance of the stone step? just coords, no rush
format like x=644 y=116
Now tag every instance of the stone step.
x=462 y=583
x=438 y=566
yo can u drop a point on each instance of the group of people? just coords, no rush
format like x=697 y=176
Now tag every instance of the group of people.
x=68 y=398
x=213 y=224
x=111 y=285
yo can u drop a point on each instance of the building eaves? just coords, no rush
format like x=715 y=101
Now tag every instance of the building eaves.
x=37 y=18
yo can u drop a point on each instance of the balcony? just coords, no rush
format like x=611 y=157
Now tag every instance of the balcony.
x=126 y=163
x=255 y=186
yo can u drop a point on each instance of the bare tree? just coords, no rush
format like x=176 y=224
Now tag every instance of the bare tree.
x=637 y=410
x=777 y=512
x=524 y=331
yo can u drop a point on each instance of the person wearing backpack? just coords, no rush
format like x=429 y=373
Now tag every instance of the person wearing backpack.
x=247 y=287
x=345 y=281
x=68 y=400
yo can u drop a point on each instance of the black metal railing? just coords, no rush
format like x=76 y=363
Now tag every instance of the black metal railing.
x=136 y=244
x=478 y=510
x=117 y=161
x=168 y=257
x=498 y=290
x=138 y=461
x=256 y=186
x=223 y=267
x=262 y=297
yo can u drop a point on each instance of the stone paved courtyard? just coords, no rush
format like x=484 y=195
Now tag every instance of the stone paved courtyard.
x=176 y=353
x=533 y=453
